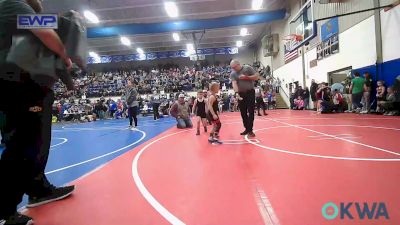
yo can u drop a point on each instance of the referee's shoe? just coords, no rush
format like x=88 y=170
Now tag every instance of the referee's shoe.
x=54 y=194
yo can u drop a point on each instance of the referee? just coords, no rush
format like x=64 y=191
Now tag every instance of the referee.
x=243 y=78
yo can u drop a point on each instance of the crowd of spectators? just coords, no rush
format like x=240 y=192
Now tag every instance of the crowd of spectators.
x=151 y=81
x=163 y=84
x=353 y=95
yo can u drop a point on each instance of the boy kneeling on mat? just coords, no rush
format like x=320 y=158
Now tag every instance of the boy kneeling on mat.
x=213 y=114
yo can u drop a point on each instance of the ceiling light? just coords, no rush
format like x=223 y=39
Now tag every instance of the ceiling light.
x=239 y=44
x=171 y=9
x=142 y=56
x=91 y=16
x=140 y=51
x=125 y=41
x=243 y=32
x=256 y=4
x=93 y=54
x=176 y=36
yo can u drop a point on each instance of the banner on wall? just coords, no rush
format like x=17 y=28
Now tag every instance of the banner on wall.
x=329 y=29
x=161 y=55
x=328 y=47
x=117 y=58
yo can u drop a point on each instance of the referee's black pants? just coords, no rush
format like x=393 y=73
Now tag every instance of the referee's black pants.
x=155 y=111
x=246 y=107
x=27 y=108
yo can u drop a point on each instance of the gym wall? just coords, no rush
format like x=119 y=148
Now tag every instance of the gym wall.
x=357 y=45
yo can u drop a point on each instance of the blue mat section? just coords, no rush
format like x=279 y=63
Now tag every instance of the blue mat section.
x=78 y=149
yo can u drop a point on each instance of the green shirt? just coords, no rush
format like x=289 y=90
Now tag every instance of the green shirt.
x=9 y=9
x=358 y=85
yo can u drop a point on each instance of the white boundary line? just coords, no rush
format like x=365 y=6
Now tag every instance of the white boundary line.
x=264 y=206
x=348 y=118
x=143 y=190
x=63 y=142
x=239 y=142
x=101 y=156
x=339 y=138
x=328 y=138
x=325 y=156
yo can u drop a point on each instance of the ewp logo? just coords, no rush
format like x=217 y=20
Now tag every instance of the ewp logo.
x=363 y=210
x=35 y=21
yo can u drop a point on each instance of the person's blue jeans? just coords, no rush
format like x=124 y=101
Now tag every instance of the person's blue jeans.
x=356 y=98
x=184 y=123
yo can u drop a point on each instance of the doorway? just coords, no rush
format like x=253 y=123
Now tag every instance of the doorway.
x=338 y=76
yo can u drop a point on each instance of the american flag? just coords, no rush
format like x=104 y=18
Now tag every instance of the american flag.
x=291 y=50
x=290 y=55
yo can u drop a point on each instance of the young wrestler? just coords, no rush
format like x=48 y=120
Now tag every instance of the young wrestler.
x=213 y=114
x=199 y=108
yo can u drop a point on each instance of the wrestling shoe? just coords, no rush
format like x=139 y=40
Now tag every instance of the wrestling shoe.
x=17 y=219
x=217 y=142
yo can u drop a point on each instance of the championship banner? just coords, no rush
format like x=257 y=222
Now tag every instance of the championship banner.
x=151 y=56
x=174 y=54
x=129 y=58
x=161 y=55
x=117 y=58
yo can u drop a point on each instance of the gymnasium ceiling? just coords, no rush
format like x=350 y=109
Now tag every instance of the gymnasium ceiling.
x=117 y=12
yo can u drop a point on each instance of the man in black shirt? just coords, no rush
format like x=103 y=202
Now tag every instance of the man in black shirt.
x=313 y=92
x=27 y=115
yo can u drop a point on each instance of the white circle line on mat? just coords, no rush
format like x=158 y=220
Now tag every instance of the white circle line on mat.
x=324 y=156
x=146 y=193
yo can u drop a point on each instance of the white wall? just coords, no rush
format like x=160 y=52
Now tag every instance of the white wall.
x=289 y=73
x=265 y=61
x=357 y=48
x=390 y=21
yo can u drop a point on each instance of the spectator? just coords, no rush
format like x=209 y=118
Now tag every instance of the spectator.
x=131 y=96
x=260 y=104
x=326 y=100
x=347 y=94
x=380 y=94
x=389 y=104
x=356 y=89
x=318 y=96
x=306 y=97
x=337 y=101
x=367 y=93
x=113 y=108
x=181 y=111
x=299 y=103
x=313 y=92
x=156 y=106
